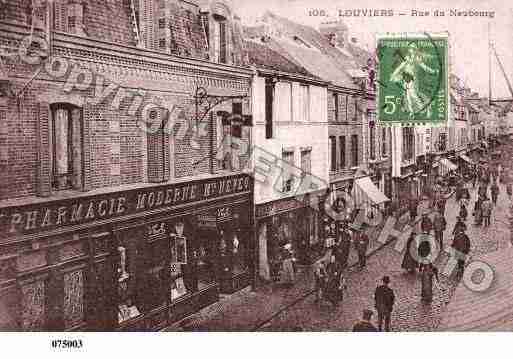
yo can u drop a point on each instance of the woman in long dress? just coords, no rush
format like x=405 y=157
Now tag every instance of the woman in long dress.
x=427 y=273
x=409 y=263
x=408 y=74
x=287 y=273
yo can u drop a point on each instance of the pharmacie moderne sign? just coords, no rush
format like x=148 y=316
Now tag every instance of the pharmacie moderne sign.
x=33 y=218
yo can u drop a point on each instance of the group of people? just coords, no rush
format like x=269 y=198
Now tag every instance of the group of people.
x=329 y=277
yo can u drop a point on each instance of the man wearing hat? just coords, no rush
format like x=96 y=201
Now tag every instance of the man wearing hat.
x=384 y=298
x=365 y=324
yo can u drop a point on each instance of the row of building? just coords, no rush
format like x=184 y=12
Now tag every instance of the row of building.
x=154 y=159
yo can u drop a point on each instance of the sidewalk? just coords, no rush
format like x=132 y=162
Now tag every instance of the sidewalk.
x=248 y=311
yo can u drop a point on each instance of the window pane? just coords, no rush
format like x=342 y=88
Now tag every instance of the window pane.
x=61 y=141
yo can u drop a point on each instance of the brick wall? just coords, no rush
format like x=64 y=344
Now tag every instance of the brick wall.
x=107 y=20
x=114 y=145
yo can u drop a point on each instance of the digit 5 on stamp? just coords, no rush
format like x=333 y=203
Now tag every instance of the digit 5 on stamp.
x=413 y=79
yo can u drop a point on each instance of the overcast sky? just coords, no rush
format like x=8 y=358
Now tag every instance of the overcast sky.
x=468 y=35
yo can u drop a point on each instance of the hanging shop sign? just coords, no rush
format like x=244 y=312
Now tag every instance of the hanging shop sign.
x=33 y=218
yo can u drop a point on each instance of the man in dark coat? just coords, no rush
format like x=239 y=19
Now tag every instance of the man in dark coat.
x=495 y=193
x=362 y=243
x=413 y=205
x=460 y=226
x=384 y=298
x=343 y=248
x=439 y=224
x=461 y=243
x=365 y=324
x=441 y=206
x=426 y=225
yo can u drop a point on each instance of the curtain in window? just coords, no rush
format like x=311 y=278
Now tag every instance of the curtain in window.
x=61 y=141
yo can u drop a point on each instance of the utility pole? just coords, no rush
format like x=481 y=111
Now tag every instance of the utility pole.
x=489 y=67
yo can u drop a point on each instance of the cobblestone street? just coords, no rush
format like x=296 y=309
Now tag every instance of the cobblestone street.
x=272 y=308
x=409 y=313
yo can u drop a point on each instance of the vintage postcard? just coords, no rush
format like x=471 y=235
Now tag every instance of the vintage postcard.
x=255 y=166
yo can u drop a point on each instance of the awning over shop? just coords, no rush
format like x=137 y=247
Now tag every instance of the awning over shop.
x=486 y=310
x=447 y=166
x=467 y=159
x=365 y=191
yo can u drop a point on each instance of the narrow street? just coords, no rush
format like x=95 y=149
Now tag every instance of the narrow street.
x=272 y=308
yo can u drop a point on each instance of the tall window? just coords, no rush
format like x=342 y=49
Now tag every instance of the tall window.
x=306 y=161
x=442 y=142
x=342 y=144
x=67 y=147
x=284 y=101
x=336 y=106
x=305 y=102
x=269 y=99
x=158 y=149
x=383 y=141
x=220 y=41
x=372 y=141
x=408 y=143
x=354 y=150
x=288 y=180
x=332 y=153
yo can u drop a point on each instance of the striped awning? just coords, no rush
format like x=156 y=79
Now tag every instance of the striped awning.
x=365 y=191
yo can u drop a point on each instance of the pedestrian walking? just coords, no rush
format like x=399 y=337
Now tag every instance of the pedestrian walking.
x=429 y=271
x=335 y=287
x=413 y=205
x=321 y=277
x=365 y=324
x=478 y=212
x=459 y=226
x=441 y=206
x=384 y=299
x=509 y=190
x=461 y=244
x=486 y=207
x=343 y=248
x=409 y=263
x=287 y=273
x=463 y=212
x=362 y=244
x=483 y=190
x=494 y=192
x=439 y=225
x=426 y=225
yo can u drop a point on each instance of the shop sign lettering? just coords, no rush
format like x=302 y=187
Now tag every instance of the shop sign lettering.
x=33 y=218
x=270 y=209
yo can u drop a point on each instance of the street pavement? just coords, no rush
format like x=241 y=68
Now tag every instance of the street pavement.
x=409 y=313
x=274 y=308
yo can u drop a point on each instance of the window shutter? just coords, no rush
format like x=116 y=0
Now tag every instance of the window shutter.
x=76 y=118
x=269 y=99
x=87 y=114
x=158 y=152
x=44 y=171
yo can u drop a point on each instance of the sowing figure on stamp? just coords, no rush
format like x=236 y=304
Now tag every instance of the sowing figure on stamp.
x=407 y=74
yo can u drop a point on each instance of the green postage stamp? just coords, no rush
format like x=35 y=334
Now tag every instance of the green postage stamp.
x=413 y=79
